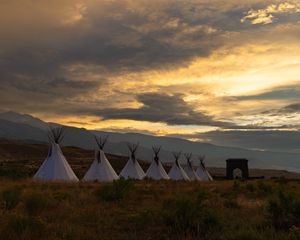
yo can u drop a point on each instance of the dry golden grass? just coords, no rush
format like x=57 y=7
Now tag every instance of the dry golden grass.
x=83 y=210
x=219 y=210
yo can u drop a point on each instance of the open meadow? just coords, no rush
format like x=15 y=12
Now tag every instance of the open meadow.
x=125 y=209
x=128 y=209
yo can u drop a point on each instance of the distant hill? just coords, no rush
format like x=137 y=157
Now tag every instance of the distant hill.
x=25 y=127
x=21 y=131
x=24 y=119
x=19 y=159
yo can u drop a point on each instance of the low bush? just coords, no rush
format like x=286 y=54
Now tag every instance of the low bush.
x=244 y=234
x=14 y=172
x=231 y=203
x=281 y=180
x=251 y=188
x=11 y=197
x=23 y=227
x=188 y=218
x=202 y=195
x=145 y=218
x=115 y=191
x=236 y=187
x=35 y=203
x=263 y=188
x=284 y=209
x=294 y=233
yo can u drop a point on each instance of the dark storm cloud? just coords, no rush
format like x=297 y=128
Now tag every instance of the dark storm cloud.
x=113 y=35
x=170 y=109
x=123 y=42
x=142 y=39
x=43 y=42
x=292 y=108
x=260 y=127
x=287 y=111
x=55 y=86
x=120 y=36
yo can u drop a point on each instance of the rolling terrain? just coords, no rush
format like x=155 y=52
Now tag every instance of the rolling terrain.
x=20 y=159
x=25 y=127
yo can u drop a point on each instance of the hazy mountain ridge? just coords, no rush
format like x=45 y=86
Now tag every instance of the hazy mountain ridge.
x=21 y=131
x=24 y=119
x=80 y=137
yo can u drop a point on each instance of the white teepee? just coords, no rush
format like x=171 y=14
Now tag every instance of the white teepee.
x=92 y=172
x=100 y=169
x=156 y=170
x=189 y=169
x=177 y=172
x=55 y=167
x=202 y=171
x=132 y=168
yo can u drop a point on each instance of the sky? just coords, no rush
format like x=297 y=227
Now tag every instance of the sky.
x=196 y=69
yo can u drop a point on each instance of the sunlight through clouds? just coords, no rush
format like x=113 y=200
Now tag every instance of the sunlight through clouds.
x=124 y=64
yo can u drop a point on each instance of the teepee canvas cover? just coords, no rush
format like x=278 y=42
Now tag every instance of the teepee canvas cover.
x=190 y=169
x=132 y=168
x=55 y=167
x=202 y=171
x=92 y=172
x=177 y=172
x=100 y=169
x=156 y=170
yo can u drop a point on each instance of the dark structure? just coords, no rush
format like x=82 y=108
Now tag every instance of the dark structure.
x=237 y=163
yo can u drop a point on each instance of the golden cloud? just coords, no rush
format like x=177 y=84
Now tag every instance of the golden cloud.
x=265 y=16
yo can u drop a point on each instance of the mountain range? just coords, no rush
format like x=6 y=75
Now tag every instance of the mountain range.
x=30 y=129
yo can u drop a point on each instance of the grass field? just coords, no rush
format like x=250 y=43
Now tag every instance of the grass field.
x=228 y=210
x=261 y=209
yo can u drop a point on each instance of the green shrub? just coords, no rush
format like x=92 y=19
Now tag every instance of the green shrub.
x=284 y=209
x=264 y=188
x=294 y=233
x=61 y=196
x=35 y=203
x=251 y=191
x=11 y=197
x=22 y=227
x=202 y=195
x=14 y=172
x=115 y=191
x=189 y=218
x=282 y=180
x=244 y=234
x=231 y=203
x=250 y=188
x=145 y=218
x=236 y=187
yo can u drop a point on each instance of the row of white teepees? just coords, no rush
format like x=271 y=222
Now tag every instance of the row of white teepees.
x=56 y=168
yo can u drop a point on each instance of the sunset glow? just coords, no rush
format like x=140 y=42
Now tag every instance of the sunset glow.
x=158 y=67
